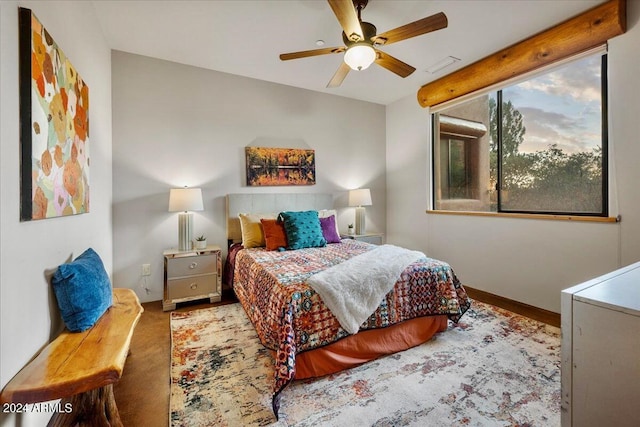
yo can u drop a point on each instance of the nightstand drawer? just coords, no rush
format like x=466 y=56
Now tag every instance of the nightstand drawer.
x=187 y=266
x=191 y=286
x=376 y=240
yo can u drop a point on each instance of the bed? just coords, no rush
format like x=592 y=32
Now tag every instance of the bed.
x=307 y=334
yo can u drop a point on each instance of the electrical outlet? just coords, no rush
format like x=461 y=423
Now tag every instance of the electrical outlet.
x=146 y=269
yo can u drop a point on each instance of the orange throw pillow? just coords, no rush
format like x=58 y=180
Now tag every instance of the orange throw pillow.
x=274 y=234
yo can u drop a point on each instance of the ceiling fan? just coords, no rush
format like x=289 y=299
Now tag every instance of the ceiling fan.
x=361 y=41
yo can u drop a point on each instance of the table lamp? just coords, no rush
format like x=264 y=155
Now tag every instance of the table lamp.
x=185 y=200
x=359 y=198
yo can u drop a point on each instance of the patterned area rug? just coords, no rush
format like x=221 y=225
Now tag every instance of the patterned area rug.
x=494 y=368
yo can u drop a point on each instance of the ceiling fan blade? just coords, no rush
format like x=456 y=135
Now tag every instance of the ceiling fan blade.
x=339 y=76
x=348 y=18
x=413 y=29
x=393 y=64
x=314 y=52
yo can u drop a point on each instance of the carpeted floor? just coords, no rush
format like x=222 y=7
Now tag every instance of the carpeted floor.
x=494 y=368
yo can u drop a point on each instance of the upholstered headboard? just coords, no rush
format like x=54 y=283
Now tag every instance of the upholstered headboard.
x=273 y=202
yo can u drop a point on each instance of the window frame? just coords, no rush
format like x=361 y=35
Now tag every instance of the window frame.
x=497 y=90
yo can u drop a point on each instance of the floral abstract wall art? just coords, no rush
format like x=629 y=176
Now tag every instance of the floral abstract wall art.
x=54 y=127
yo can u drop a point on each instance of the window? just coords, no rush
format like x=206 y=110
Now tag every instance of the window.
x=539 y=146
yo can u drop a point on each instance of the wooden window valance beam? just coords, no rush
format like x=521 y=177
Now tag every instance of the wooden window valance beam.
x=575 y=35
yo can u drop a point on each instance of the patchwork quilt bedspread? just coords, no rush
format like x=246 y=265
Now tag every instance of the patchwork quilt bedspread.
x=290 y=317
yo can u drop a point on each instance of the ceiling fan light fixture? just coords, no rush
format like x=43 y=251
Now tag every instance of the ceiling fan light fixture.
x=359 y=56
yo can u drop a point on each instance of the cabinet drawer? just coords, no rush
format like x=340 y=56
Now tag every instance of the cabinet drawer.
x=187 y=266
x=191 y=286
x=376 y=240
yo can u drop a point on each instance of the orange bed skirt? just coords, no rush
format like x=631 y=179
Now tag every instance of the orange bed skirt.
x=367 y=345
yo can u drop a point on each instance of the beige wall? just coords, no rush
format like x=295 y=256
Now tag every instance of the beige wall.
x=30 y=251
x=526 y=260
x=176 y=125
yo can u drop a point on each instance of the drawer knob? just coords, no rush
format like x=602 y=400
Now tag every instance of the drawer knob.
x=193 y=265
x=193 y=286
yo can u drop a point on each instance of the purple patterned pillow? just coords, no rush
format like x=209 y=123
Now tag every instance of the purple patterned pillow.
x=329 y=232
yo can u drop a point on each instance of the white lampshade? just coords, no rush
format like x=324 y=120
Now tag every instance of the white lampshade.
x=360 y=56
x=185 y=199
x=360 y=197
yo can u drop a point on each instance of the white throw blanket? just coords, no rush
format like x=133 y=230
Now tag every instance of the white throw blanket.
x=353 y=289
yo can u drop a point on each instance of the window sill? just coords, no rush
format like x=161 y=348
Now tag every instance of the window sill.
x=529 y=216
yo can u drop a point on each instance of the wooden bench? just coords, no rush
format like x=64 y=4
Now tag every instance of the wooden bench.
x=81 y=367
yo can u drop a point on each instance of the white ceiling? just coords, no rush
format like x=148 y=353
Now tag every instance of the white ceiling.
x=246 y=37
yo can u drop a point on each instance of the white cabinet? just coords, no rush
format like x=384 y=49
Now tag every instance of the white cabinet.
x=601 y=351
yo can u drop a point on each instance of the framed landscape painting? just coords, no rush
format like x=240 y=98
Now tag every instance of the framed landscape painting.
x=280 y=166
x=54 y=127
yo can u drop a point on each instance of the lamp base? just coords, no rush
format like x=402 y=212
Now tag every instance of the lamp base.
x=360 y=220
x=185 y=231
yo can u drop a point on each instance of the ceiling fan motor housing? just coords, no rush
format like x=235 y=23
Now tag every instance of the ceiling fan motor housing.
x=368 y=31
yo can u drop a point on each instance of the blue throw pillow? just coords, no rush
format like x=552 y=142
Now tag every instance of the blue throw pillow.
x=83 y=291
x=303 y=229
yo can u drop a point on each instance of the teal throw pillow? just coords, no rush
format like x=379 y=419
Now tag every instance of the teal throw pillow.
x=303 y=229
x=83 y=291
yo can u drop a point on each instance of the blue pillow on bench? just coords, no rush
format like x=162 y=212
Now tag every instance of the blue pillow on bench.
x=83 y=291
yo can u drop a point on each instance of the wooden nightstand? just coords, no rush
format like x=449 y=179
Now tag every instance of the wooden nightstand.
x=192 y=275
x=375 y=238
